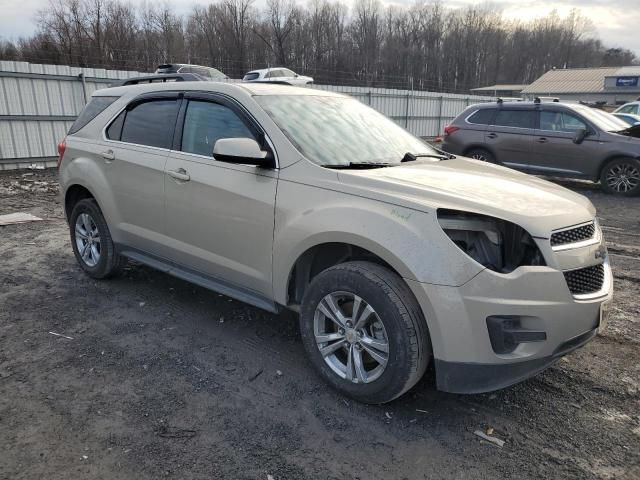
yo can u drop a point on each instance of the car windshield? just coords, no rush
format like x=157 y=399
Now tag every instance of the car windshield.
x=339 y=131
x=603 y=120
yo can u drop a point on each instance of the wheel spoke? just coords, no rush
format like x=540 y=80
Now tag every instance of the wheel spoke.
x=329 y=349
x=80 y=233
x=86 y=250
x=94 y=253
x=362 y=320
x=328 y=337
x=349 y=370
x=375 y=354
x=361 y=373
x=86 y=222
x=380 y=345
x=330 y=310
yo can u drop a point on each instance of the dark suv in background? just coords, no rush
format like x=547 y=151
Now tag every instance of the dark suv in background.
x=556 y=139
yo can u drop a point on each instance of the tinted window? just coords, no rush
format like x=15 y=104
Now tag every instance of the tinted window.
x=150 y=123
x=482 y=117
x=205 y=123
x=515 y=118
x=115 y=129
x=91 y=111
x=560 y=122
x=251 y=76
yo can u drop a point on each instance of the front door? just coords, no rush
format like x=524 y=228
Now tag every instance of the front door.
x=219 y=216
x=555 y=151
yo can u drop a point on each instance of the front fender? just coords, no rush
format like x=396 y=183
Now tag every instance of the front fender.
x=409 y=240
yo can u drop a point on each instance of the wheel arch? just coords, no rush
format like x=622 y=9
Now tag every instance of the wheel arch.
x=321 y=252
x=479 y=146
x=611 y=157
x=73 y=195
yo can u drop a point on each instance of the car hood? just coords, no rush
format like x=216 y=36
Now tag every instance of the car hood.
x=537 y=205
x=633 y=131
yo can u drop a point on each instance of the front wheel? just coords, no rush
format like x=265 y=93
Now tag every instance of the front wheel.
x=364 y=331
x=621 y=177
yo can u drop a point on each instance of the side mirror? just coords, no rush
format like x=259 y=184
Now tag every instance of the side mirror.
x=295 y=75
x=240 y=150
x=579 y=136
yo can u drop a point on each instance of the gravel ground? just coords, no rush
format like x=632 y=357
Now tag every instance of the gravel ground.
x=162 y=379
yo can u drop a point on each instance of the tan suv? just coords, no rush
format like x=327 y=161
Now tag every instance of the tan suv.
x=393 y=254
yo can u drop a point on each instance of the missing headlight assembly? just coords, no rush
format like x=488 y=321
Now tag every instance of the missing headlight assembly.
x=496 y=244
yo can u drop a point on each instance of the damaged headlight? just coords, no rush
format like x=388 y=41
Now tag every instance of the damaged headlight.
x=496 y=244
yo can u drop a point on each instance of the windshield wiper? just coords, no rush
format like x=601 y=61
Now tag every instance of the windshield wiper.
x=359 y=165
x=411 y=157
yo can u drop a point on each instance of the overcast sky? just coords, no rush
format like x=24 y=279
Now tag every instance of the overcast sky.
x=617 y=22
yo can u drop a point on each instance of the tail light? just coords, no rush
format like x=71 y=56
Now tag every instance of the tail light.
x=449 y=129
x=62 y=146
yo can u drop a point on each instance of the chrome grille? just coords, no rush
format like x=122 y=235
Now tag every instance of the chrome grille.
x=573 y=235
x=585 y=280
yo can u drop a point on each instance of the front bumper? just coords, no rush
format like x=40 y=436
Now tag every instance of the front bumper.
x=465 y=359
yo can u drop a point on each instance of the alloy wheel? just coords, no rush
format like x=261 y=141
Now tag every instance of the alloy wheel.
x=87 y=239
x=623 y=177
x=351 y=337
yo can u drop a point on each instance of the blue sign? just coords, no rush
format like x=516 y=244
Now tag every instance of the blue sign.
x=627 y=82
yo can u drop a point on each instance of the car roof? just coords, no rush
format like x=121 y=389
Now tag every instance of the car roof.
x=230 y=88
x=264 y=70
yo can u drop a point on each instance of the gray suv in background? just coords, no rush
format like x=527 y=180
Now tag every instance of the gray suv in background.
x=558 y=139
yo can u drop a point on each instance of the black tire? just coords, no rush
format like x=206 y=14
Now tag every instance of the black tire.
x=109 y=262
x=481 y=154
x=397 y=309
x=629 y=168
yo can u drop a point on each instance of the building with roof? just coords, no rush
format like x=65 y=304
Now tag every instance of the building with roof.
x=613 y=85
x=500 y=90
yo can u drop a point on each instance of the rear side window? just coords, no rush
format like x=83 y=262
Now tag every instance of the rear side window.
x=150 y=123
x=482 y=117
x=94 y=108
x=206 y=122
x=515 y=118
x=251 y=76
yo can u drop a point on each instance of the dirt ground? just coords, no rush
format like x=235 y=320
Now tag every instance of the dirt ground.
x=162 y=379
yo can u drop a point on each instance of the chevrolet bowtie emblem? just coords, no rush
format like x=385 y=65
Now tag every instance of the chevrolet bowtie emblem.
x=601 y=252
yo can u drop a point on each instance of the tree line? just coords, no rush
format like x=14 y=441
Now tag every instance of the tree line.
x=426 y=46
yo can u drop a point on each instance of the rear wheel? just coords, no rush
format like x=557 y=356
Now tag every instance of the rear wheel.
x=621 y=177
x=91 y=241
x=481 y=154
x=364 y=331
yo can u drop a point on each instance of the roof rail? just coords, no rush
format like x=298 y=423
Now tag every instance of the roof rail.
x=160 y=78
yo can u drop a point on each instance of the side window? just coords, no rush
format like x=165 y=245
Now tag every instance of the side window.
x=628 y=109
x=114 y=131
x=251 y=76
x=515 y=118
x=636 y=109
x=560 y=122
x=150 y=123
x=287 y=73
x=482 y=117
x=94 y=108
x=206 y=122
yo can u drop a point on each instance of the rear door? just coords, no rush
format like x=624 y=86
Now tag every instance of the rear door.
x=510 y=137
x=137 y=143
x=219 y=215
x=555 y=152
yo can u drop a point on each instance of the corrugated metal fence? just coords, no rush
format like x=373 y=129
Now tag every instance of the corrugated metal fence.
x=38 y=104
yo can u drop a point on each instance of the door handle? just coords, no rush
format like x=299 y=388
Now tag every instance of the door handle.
x=542 y=140
x=492 y=135
x=108 y=156
x=180 y=174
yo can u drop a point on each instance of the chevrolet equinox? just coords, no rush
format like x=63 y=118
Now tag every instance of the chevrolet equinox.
x=395 y=255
